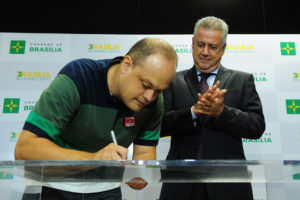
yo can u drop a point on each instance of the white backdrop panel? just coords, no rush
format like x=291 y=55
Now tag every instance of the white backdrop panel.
x=29 y=62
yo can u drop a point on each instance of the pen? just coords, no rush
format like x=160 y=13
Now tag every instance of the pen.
x=112 y=133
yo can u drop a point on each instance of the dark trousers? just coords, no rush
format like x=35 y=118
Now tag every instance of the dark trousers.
x=206 y=191
x=54 y=194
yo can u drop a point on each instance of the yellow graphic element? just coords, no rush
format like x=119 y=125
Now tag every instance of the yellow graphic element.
x=288 y=48
x=11 y=105
x=104 y=46
x=296 y=75
x=240 y=47
x=294 y=106
x=17 y=47
x=36 y=74
x=14 y=135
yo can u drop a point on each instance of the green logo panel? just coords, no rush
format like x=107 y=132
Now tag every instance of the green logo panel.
x=296 y=176
x=288 y=48
x=292 y=106
x=11 y=105
x=17 y=47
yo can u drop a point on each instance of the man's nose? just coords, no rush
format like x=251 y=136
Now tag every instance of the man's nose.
x=149 y=95
x=205 y=50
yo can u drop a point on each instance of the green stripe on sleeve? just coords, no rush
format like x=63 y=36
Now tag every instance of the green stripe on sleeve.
x=150 y=135
x=43 y=124
x=48 y=128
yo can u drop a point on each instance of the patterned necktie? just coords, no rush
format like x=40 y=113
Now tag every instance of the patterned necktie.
x=203 y=88
x=203 y=84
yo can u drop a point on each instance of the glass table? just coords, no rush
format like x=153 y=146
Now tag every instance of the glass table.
x=270 y=180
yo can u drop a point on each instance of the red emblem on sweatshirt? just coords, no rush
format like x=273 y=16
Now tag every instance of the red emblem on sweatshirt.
x=129 y=121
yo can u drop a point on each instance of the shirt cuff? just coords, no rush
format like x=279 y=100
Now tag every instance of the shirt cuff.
x=193 y=115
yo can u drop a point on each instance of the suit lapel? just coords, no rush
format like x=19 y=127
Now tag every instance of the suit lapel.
x=192 y=81
x=222 y=76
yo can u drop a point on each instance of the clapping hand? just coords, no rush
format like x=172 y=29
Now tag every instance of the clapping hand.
x=211 y=102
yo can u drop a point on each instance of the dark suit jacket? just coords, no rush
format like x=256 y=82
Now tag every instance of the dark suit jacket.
x=221 y=137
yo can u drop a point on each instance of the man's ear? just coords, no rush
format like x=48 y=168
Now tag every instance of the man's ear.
x=126 y=64
x=224 y=46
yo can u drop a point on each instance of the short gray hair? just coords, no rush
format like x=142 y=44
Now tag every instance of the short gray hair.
x=212 y=23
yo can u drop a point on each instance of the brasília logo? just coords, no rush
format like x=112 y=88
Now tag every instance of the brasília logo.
x=17 y=47
x=288 y=48
x=11 y=105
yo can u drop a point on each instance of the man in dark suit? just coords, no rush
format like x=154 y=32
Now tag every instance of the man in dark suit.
x=210 y=125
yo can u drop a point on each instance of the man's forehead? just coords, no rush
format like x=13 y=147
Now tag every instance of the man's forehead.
x=213 y=39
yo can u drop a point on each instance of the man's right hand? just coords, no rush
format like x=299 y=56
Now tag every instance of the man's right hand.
x=111 y=152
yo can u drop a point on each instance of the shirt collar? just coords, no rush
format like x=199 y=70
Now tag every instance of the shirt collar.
x=213 y=72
